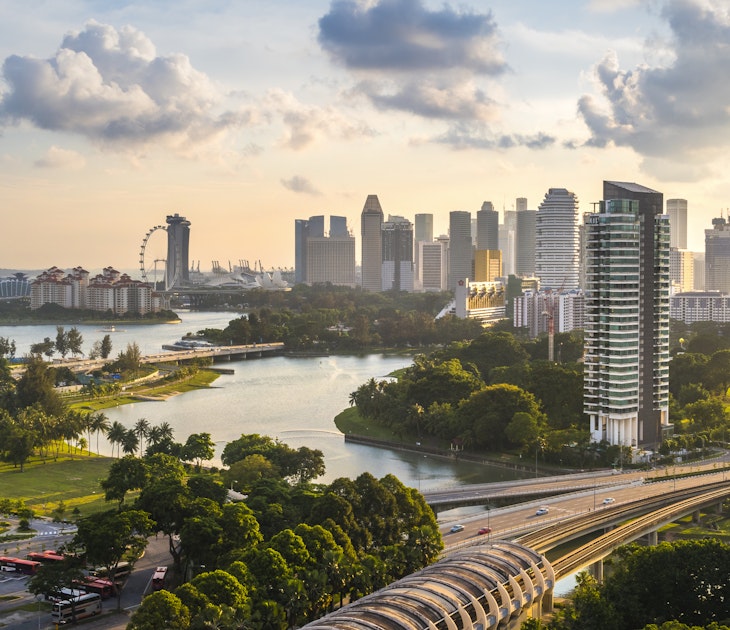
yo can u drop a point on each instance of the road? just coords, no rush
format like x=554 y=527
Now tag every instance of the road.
x=14 y=593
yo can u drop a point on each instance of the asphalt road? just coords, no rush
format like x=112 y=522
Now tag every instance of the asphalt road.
x=13 y=588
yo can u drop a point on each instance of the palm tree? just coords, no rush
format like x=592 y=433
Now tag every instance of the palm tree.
x=115 y=434
x=166 y=431
x=99 y=424
x=141 y=430
x=87 y=422
x=130 y=442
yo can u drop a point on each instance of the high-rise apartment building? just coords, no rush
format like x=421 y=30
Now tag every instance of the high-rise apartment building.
x=371 y=234
x=681 y=270
x=677 y=211
x=626 y=373
x=525 y=242
x=487 y=227
x=178 y=247
x=717 y=256
x=460 y=247
x=557 y=240
x=397 y=271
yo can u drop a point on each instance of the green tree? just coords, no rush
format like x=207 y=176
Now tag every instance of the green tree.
x=37 y=385
x=109 y=536
x=160 y=609
x=128 y=473
x=106 y=347
x=523 y=429
x=61 y=341
x=198 y=447
x=74 y=341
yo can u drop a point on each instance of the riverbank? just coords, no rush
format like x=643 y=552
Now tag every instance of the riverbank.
x=358 y=430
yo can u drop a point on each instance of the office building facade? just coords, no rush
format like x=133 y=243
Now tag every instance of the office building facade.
x=460 y=247
x=525 y=243
x=677 y=211
x=371 y=235
x=487 y=227
x=434 y=264
x=626 y=371
x=178 y=251
x=557 y=240
x=397 y=272
x=717 y=256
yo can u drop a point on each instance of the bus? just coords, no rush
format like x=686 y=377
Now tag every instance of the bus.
x=102 y=586
x=158 y=579
x=64 y=594
x=83 y=606
x=26 y=567
x=45 y=556
x=121 y=574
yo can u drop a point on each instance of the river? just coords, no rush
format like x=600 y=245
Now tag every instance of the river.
x=292 y=399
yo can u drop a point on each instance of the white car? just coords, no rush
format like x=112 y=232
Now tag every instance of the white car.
x=541 y=511
x=608 y=500
x=457 y=528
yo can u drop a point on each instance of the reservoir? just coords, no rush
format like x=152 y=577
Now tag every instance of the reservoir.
x=292 y=399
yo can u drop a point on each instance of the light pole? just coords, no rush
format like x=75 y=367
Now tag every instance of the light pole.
x=489 y=527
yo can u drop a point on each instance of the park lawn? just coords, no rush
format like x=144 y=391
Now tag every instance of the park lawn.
x=200 y=380
x=73 y=479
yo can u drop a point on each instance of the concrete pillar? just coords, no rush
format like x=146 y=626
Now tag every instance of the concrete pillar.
x=596 y=570
x=547 y=602
x=652 y=538
x=696 y=516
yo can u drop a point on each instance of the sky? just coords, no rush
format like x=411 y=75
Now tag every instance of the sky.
x=244 y=115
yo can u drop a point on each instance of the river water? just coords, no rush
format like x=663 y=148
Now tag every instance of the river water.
x=292 y=399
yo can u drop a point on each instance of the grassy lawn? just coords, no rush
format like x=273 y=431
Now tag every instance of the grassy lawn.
x=73 y=479
x=200 y=380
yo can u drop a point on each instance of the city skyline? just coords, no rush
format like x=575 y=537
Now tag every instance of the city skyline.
x=243 y=117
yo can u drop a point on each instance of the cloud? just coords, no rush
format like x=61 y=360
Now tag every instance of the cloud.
x=110 y=86
x=412 y=59
x=404 y=36
x=465 y=136
x=300 y=184
x=308 y=124
x=676 y=111
x=56 y=157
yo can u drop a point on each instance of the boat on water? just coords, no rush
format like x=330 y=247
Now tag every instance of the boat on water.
x=188 y=344
x=111 y=329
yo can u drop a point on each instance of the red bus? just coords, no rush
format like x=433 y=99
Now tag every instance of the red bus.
x=26 y=567
x=102 y=586
x=45 y=556
x=158 y=579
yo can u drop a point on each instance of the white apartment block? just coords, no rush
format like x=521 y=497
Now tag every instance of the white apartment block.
x=533 y=310
x=700 y=306
x=108 y=291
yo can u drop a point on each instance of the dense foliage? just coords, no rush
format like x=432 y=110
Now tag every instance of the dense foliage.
x=339 y=318
x=670 y=586
x=288 y=553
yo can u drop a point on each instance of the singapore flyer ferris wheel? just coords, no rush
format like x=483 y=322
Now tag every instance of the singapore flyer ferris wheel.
x=148 y=260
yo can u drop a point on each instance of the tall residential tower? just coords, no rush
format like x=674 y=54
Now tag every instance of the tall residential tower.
x=557 y=241
x=626 y=374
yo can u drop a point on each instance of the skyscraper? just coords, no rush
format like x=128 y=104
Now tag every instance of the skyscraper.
x=677 y=211
x=626 y=373
x=525 y=243
x=717 y=256
x=178 y=245
x=460 y=247
x=557 y=241
x=507 y=241
x=424 y=227
x=397 y=254
x=487 y=227
x=319 y=258
x=434 y=264
x=371 y=234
